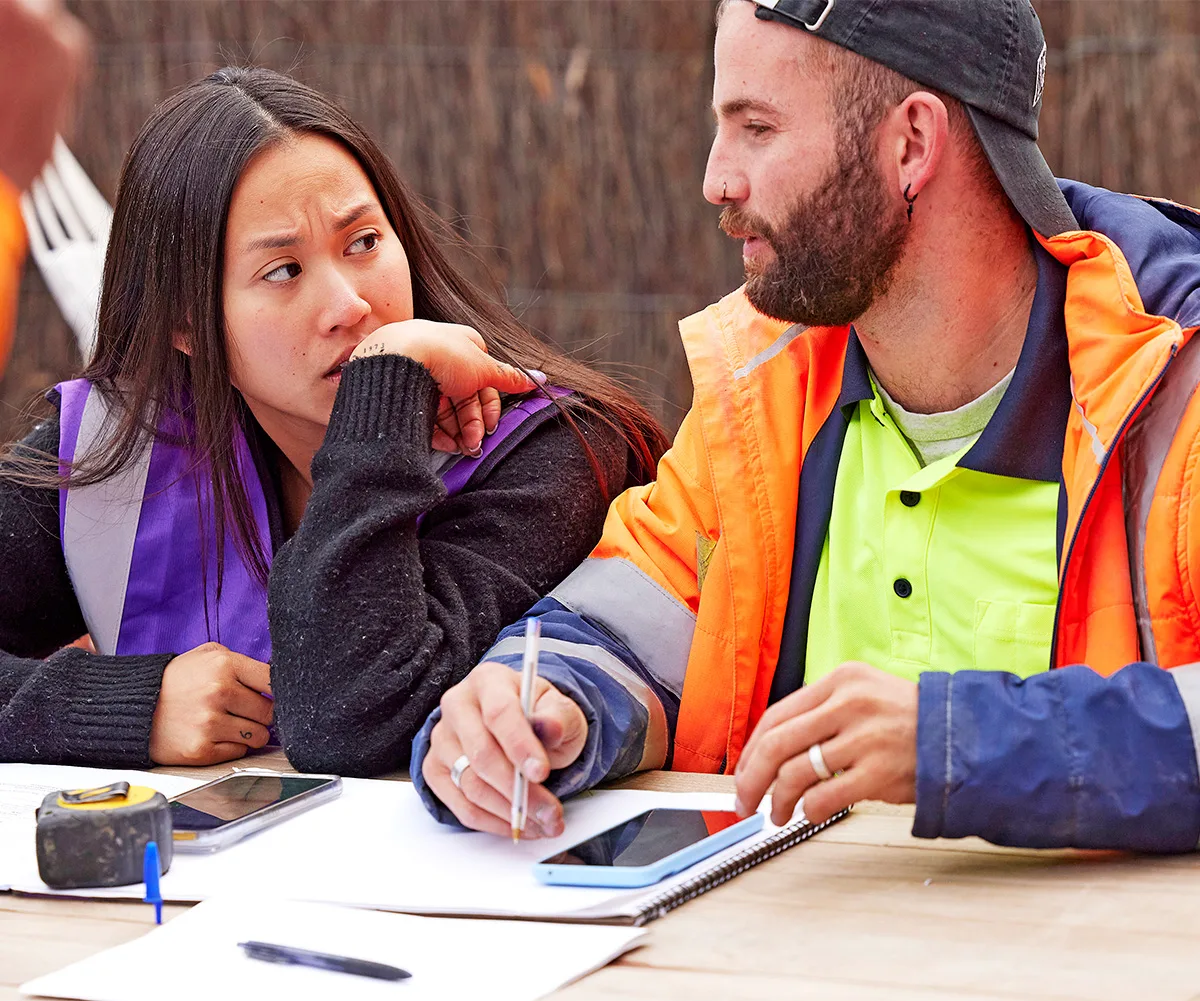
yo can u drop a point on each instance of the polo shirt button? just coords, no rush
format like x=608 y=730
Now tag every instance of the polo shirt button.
x=902 y=586
x=910 y=498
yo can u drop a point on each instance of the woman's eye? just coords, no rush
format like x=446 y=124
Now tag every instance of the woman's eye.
x=365 y=243
x=283 y=273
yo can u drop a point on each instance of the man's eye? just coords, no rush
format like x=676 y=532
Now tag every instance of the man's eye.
x=365 y=243
x=758 y=128
x=283 y=273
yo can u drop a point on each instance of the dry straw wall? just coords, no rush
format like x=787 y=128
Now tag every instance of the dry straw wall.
x=568 y=138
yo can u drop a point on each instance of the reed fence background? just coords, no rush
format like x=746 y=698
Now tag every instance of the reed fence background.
x=567 y=139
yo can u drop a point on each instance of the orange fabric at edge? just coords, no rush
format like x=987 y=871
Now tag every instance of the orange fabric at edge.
x=12 y=253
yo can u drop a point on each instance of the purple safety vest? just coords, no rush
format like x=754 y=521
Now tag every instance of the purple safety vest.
x=135 y=544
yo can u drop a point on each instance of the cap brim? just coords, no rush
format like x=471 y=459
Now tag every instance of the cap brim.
x=1024 y=175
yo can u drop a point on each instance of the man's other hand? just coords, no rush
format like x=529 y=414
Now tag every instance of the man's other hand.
x=866 y=723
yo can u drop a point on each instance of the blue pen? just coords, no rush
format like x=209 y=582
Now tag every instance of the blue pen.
x=150 y=874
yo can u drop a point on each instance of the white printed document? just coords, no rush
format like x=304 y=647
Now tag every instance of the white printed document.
x=195 y=956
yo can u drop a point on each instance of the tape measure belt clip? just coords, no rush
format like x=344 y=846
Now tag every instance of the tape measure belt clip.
x=118 y=790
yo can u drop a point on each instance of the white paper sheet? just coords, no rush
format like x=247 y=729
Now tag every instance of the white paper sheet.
x=376 y=846
x=195 y=957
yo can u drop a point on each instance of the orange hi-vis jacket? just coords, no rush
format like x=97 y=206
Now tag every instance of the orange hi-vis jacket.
x=691 y=577
x=12 y=253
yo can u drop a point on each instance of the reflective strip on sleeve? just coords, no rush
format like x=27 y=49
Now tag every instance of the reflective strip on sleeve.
x=654 y=752
x=1187 y=680
x=99 y=528
x=656 y=626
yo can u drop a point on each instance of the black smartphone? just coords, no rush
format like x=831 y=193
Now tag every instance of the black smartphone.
x=222 y=812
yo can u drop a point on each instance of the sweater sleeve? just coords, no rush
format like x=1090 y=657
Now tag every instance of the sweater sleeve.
x=72 y=707
x=372 y=619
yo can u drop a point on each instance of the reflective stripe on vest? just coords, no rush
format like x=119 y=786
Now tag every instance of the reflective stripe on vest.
x=142 y=560
x=1147 y=443
x=133 y=543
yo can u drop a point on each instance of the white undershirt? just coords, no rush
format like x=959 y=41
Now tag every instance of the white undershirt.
x=934 y=436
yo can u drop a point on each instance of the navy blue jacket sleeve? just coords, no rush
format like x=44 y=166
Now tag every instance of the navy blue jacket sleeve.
x=572 y=648
x=1062 y=759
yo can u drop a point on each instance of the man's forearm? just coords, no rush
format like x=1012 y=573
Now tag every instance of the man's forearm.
x=629 y=716
x=1062 y=759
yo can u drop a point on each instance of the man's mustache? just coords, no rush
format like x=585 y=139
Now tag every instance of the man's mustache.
x=740 y=224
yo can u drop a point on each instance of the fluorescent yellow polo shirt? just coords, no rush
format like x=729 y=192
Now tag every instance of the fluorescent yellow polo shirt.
x=938 y=568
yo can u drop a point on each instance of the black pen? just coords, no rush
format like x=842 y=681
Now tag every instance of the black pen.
x=271 y=953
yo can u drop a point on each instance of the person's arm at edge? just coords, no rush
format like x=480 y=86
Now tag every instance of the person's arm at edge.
x=1067 y=758
x=12 y=253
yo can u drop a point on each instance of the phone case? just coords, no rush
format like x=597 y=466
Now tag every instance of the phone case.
x=203 y=842
x=644 y=875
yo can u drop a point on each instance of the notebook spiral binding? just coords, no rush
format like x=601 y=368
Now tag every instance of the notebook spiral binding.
x=780 y=841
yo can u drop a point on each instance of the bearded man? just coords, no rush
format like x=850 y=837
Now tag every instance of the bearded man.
x=925 y=534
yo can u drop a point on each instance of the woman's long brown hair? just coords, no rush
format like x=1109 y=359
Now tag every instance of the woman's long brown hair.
x=163 y=279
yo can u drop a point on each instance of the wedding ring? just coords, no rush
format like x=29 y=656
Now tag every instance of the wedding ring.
x=817 y=760
x=457 y=769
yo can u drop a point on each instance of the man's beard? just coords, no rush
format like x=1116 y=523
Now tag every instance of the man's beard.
x=837 y=251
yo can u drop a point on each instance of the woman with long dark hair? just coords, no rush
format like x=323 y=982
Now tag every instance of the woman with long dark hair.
x=305 y=440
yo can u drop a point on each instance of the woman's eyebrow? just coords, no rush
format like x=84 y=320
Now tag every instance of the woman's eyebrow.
x=274 y=242
x=351 y=216
x=277 y=241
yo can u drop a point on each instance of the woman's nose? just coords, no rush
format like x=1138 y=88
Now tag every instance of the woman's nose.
x=344 y=305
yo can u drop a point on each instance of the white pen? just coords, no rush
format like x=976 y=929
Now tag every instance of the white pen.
x=529 y=667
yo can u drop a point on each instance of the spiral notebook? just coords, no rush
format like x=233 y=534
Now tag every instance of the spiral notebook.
x=376 y=846
x=653 y=902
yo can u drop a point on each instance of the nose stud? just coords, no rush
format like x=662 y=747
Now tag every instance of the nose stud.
x=724 y=188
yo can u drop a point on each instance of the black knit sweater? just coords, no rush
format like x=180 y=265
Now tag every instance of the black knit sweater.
x=371 y=619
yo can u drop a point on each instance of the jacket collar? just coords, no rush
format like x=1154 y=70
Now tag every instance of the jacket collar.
x=1024 y=438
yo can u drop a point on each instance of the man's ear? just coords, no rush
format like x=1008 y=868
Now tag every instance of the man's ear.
x=180 y=342
x=920 y=127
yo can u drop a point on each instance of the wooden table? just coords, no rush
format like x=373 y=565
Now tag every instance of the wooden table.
x=863 y=911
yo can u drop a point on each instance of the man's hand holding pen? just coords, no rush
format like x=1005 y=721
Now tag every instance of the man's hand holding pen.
x=482 y=722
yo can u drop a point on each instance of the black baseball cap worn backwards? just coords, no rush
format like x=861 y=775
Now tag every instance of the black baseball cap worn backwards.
x=989 y=54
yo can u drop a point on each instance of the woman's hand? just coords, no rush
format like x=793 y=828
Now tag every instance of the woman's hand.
x=211 y=707
x=470 y=381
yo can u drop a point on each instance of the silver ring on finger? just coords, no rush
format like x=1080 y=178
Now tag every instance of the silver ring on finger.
x=457 y=769
x=817 y=760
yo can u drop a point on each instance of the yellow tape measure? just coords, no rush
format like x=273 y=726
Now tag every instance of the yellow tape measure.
x=98 y=837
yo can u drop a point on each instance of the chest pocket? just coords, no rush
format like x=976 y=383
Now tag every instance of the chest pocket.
x=1013 y=636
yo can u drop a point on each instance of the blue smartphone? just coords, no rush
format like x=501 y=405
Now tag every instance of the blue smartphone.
x=652 y=846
